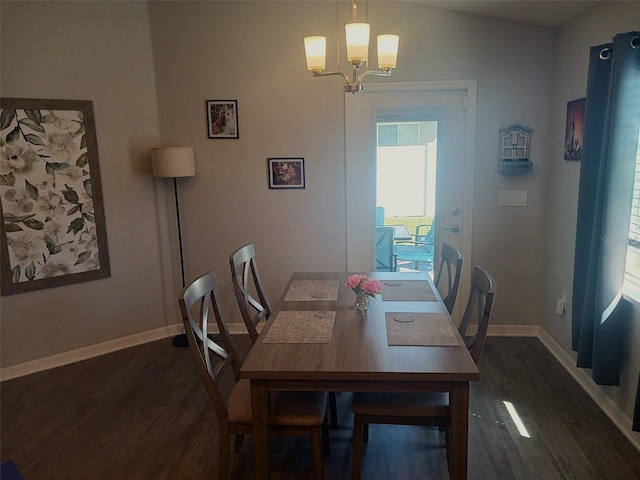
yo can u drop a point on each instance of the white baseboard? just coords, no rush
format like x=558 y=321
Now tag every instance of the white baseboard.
x=513 y=331
x=608 y=406
x=92 y=351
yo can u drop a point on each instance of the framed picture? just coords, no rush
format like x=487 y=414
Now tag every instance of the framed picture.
x=222 y=118
x=573 y=136
x=53 y=226
x=286 y=172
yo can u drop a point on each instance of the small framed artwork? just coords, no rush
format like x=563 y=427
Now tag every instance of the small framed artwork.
x=222 y=118
x=573 y=136
x=286 y=172
x=53 y=225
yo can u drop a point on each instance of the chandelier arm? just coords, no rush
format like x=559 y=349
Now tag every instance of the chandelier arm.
x=380 y=73
x=335 y=72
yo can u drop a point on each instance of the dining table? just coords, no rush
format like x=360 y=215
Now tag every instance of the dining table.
x=316 y=340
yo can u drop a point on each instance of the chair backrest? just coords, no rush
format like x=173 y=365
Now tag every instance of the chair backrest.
x=379 y=216
x=212 y=361
x=449 y=270
x=427 y=240
x=483 y=289
x=246 y=279
x=384 y=249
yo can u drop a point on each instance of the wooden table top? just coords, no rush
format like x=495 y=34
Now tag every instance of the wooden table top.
x=358 y=349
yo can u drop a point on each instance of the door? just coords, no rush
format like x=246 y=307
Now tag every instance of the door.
x=453 y=104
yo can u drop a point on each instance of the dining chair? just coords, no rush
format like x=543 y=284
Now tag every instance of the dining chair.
x=292 y=413
x=449 y=270
x=420 y=249
x=478 y=309
x=418 y=408
x=385 y=249
x=246 y=278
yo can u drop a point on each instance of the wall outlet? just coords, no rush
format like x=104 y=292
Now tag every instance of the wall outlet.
x=512 y=198
x=561 y=303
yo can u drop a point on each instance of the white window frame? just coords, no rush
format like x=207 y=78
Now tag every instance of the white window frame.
x=631 y=288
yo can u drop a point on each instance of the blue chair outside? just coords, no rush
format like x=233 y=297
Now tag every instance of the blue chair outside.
x=379 y=216
x=385 y=249
x=420 y=250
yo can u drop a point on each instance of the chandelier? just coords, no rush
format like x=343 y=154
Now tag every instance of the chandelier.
x=357 y=41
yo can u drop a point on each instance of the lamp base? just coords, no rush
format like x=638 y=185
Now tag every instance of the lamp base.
x=180 y=340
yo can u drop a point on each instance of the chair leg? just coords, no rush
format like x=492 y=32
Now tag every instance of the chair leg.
x=358 y=433
x=237 y=444
x=223 y=457
x=447 y=445
x=318 y=459
x=333 y=409
x=326 y=445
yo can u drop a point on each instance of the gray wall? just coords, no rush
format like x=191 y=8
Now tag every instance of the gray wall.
x=149 y=68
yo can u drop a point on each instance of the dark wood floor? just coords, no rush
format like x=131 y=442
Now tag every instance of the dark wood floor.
x=142 y=413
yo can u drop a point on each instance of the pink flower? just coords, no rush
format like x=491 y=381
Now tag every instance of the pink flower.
x=363 y=284
x=354 y=281
x=371 y=287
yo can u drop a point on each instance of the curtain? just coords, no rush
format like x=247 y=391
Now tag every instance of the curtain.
x=612 y=118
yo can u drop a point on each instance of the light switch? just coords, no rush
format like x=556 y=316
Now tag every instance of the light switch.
x=512 y=198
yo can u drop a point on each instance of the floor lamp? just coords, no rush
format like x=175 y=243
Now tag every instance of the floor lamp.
x=174 y=162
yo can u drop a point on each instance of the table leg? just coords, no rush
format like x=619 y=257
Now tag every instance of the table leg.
x=459 y=411
x=260 y=417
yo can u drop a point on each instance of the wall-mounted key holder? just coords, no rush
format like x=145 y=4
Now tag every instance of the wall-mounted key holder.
x=515 y=143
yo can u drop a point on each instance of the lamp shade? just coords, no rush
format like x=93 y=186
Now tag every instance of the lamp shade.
x=173 y=162
x=357 y=35
x=387 y=50
x=316 y=51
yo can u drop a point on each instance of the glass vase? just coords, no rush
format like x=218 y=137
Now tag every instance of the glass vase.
x=362 y=302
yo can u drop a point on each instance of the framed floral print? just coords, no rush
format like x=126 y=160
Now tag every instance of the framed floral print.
x=286 y=172
x=53 y=225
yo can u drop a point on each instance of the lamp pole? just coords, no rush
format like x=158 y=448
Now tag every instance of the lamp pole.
x=175 y=192
x=181 y=339
x=175 y=162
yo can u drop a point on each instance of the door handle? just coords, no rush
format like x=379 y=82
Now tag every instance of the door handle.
x=453 y=229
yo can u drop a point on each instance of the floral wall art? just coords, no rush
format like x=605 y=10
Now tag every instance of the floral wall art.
x=286 y=173
x=53 y=225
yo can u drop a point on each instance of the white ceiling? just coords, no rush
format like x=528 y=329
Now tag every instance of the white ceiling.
x=552 y=13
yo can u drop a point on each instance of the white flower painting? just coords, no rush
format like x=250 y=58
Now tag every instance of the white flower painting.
x=52 y=219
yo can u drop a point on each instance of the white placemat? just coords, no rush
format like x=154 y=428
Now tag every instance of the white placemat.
x=301 y=327
x=407 y=290
x=420 y=329
x=312 y=291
